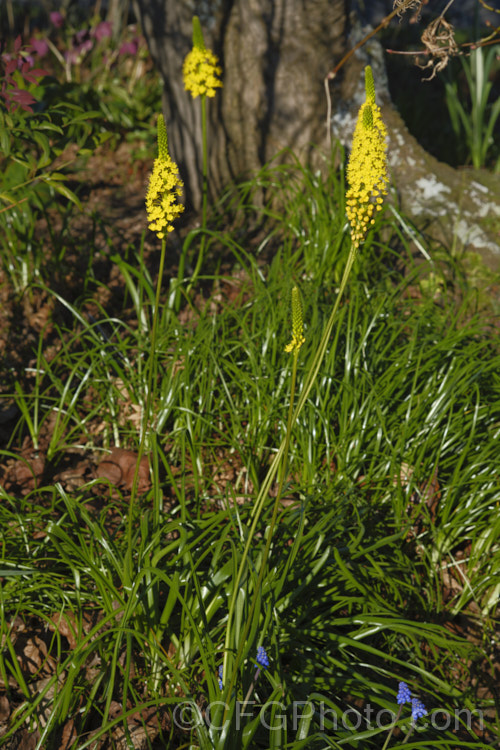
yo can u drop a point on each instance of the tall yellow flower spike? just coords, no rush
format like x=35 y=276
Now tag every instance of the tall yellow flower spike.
x=200 y=70
x=367 y=167
x=298 y=337
x=165 y=186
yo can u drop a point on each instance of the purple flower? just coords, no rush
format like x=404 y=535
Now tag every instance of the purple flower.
x=76 y=54
x=39 y=46
x=71 y=56
x=103 y=30
x=80 y=37
x=82 y=43
x=56 y=19
x=129 y=48
x=262 y=660
x=404 y=695
x=417 y=709
x=221 y=684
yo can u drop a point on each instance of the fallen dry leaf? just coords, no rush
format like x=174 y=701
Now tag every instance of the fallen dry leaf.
x=33 y=655
x=66 y=625
x=69 y=735
x=119 y=469
x=4 y=709
x=26 y=472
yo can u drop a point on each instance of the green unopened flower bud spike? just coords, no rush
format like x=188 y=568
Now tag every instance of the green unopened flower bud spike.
x=198 y=41
x=369 y=85
x=298 y=339
x=297 y=323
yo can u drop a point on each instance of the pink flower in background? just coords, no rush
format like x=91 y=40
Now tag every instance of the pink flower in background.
x=76 y=54
x=71 y=56
x=82 y=43
x=86 y=46
x=81 y=37
x=56 y=19
x=39 y=46
x=129 y=48
x=103 y=30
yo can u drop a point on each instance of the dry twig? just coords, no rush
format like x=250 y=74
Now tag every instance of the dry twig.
x=439 y=42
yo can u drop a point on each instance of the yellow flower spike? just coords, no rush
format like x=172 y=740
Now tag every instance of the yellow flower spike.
x=200 y=70
x=298 y=337
x=367 y=167
x=165 y=186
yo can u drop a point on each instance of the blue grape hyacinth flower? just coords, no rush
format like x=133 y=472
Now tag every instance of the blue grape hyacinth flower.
x=221 y=684
x=417 y=709
x=262 y=660
x=404 y=694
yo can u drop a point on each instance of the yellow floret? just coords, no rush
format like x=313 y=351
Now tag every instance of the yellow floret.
x=201 y=72
x=165 y=186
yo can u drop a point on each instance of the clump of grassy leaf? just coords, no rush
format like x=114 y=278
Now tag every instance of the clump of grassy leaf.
x=389 y=498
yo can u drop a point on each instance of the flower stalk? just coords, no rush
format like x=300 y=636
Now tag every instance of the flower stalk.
x=162 y=206
x=418 y=710
x=201 y=74
x=280 y=458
